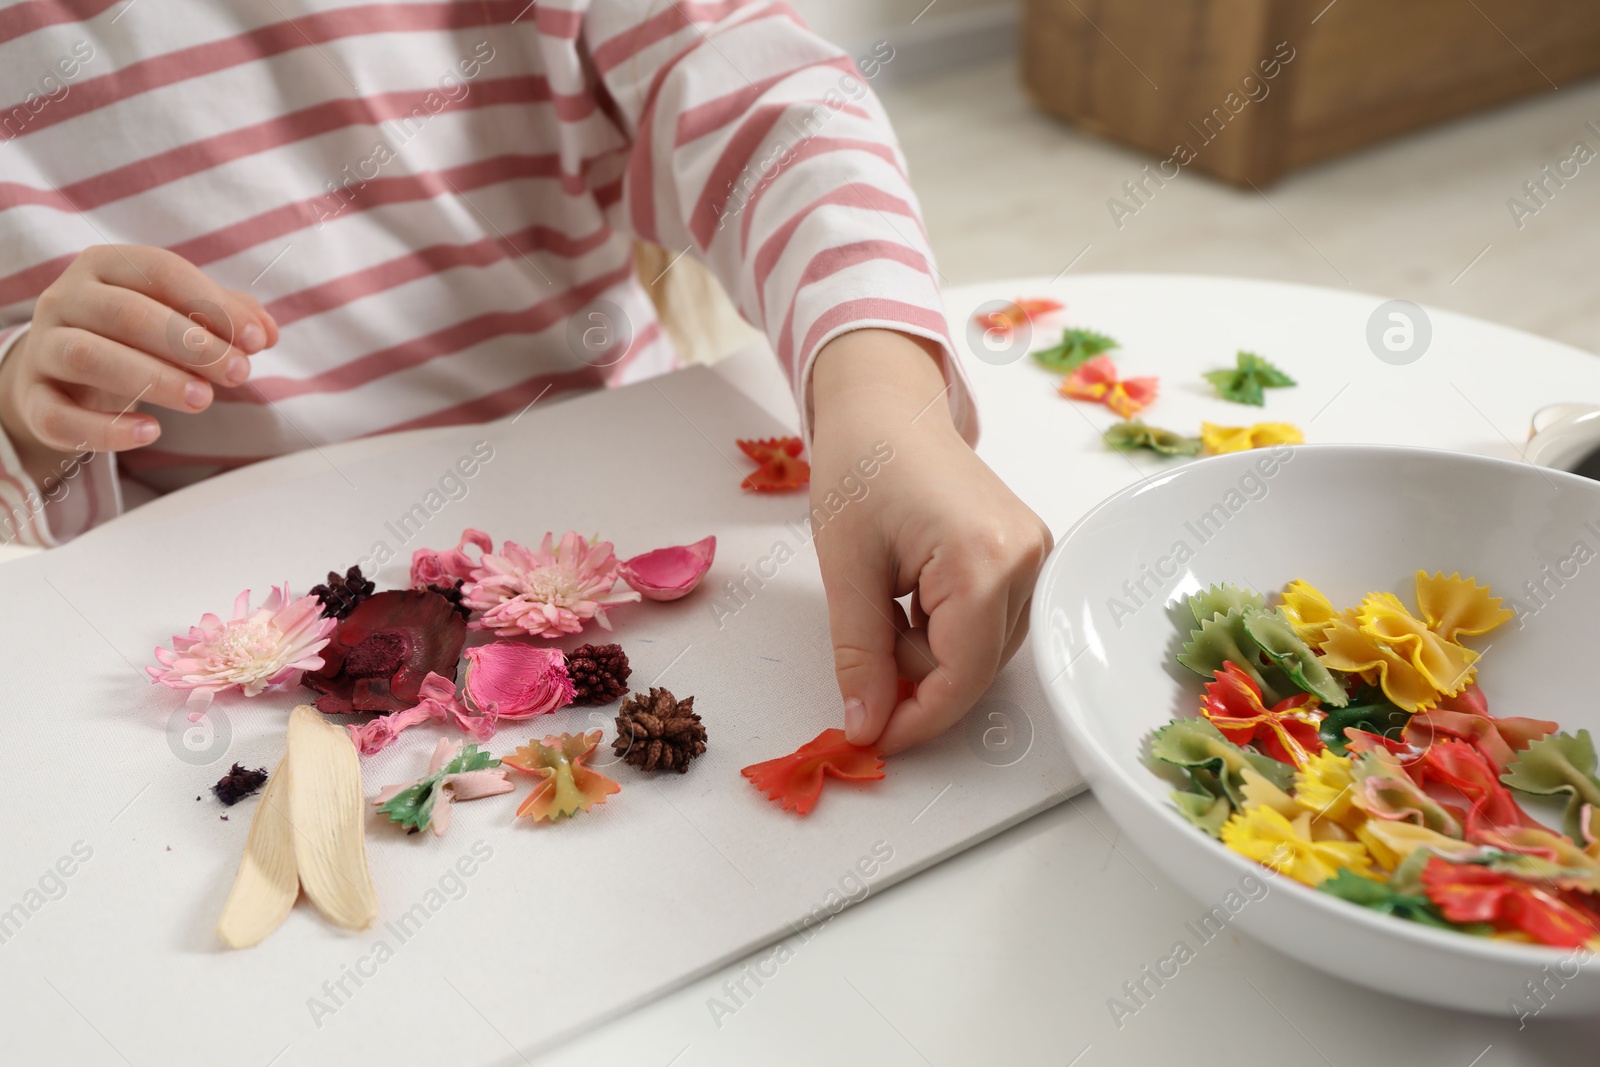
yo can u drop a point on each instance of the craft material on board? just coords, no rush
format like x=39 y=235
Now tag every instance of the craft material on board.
x=567 y=785
x=238 y=783
x=511 y=680
x=269 y=647
x=657 y=731
x=308 y=833
x=381 y=653
x=555 y=589
x=599 y=673
x=669 y=573
x=781 y=467
x=794 y=782
x=456 y=771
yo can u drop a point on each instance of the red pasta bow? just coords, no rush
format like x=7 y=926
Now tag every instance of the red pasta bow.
x=1287 y=731
x=1019 y=311
x=1466 y=893
x=1097 y=380
x=781 y=465
x=795 y=781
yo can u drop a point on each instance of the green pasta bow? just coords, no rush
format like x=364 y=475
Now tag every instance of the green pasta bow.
x=1243 y=384
x=1077 y=347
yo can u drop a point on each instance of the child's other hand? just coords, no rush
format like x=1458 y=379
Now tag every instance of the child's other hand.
x=123 y=323
x=933 y=521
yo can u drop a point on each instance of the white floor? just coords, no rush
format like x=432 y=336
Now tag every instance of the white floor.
x=1009 y=191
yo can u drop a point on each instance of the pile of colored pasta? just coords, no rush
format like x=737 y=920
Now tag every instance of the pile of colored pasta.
x=1354 y=752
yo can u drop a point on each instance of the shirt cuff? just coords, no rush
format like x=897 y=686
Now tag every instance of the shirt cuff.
x=958 y=389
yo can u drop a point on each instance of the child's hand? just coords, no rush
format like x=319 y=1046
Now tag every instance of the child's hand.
x=122 y=324
x=933 y=521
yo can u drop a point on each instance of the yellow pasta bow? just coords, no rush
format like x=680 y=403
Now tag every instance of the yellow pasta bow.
x=1308 y=611
x=1220 y=439
x=1415 y=661
x=1263 y=834
x=1457 y=605
x=1324 y=786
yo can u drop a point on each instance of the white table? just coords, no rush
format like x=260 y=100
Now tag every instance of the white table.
x=1010 y=952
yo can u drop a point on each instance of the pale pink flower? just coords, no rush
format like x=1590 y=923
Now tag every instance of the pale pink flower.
x=510 y=680
x=545 y=593
x=270 y=646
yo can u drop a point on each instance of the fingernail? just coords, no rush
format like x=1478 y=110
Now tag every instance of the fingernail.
x=252 y=337
x=855 y=718
x=196 y=394
x=145 y=431
x=238 y=370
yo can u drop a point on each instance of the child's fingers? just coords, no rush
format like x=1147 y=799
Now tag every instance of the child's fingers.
x=861 y=613
x=173 y=281
x=912 y=657
x=85 y=358
x=967 y=634
x=140 y=322
x=269 y=323
x=60 y=423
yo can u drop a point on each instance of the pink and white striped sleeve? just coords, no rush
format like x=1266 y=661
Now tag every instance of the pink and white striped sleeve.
x=760 y=148
x=86 y=493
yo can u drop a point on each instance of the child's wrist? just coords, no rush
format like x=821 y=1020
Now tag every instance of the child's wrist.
x=881 y=371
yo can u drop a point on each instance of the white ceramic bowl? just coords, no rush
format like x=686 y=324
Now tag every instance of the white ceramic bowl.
x=1350 y=519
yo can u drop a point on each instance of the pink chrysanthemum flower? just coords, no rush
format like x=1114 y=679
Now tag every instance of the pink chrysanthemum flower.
x=270 y=646
x=545 y=593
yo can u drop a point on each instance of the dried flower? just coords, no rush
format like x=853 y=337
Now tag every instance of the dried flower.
x=381 y=654
x=270 y=646
x=599 y=673
x=659 y=732
x=436 y=703
x=669 y=573
x=430 y=567
x=340 y=596
x=509 y=680
x=238 y=783
x=545 y=593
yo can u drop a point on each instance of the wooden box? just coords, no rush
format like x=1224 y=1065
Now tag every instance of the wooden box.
x=1251 y=89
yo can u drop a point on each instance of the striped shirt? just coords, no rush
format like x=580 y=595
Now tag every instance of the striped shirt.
x=437 y=201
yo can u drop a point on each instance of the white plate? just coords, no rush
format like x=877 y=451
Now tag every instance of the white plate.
x=1350 y=519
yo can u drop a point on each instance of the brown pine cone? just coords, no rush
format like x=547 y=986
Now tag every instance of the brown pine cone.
x=659 y=732
x=340 y=596
x=599 y=673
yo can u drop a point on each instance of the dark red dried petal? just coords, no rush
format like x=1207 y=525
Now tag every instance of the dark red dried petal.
x=402 y=635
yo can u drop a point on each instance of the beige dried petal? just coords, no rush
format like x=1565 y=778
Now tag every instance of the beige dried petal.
x=267 y=884
x=327 y=809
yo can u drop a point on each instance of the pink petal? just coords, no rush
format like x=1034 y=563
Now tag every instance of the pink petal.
x=510 y=680
x=439 y=817
x=669 y=573
x=443 y=753
x=389 y=792
x=472 y=785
